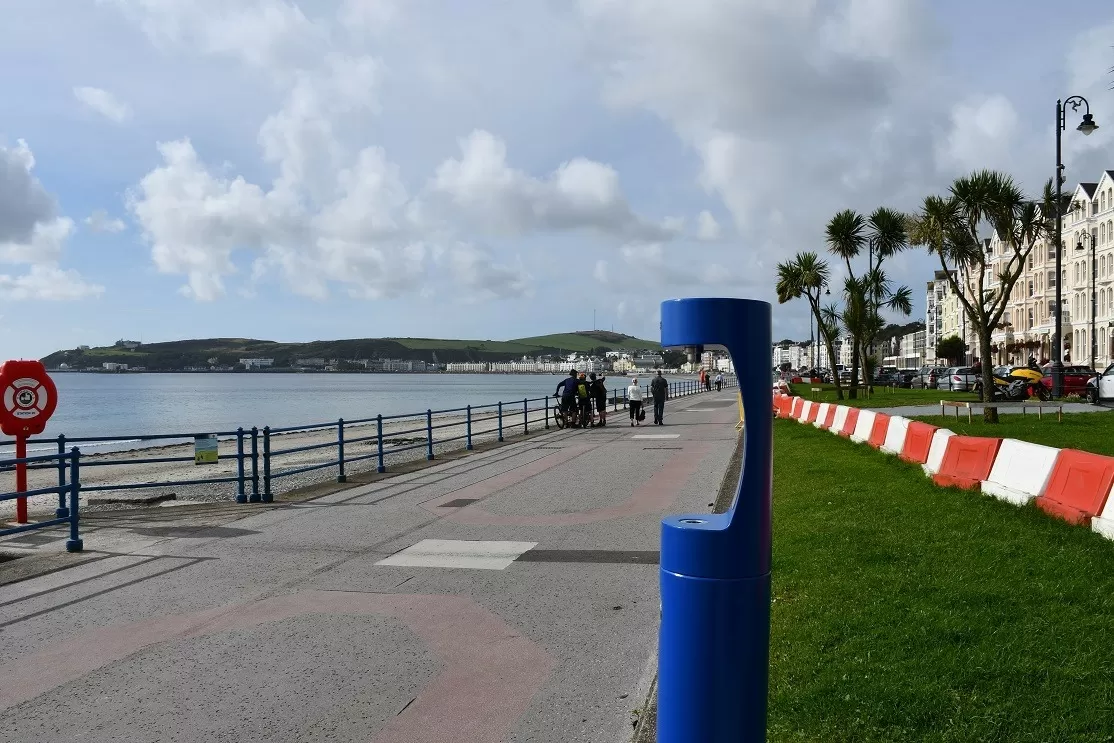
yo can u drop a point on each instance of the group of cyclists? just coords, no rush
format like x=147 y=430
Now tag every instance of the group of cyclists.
x=579 y=391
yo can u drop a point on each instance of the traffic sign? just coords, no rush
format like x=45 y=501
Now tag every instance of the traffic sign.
x=28 y=398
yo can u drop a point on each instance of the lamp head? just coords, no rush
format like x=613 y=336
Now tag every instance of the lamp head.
x=1088 y=124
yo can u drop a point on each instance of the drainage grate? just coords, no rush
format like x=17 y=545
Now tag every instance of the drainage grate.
x=549 y=447
x=459 y=503
x=619 y=557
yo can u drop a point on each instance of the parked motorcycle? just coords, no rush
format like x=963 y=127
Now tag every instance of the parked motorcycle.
x=1021 y=384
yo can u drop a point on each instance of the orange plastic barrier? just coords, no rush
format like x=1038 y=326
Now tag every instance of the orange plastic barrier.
x=918 y=441
x=879 y=430
x=967 y=461
x=829 y=419
x=798 y=405
x=779 y=405
x=850 y=423
x=1078 y=487
x=813 y=413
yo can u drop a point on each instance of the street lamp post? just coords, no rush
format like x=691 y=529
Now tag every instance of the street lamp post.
x=1094 y=297
x=1086 y=126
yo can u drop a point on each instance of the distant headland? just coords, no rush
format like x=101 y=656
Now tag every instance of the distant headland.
x=361 y=354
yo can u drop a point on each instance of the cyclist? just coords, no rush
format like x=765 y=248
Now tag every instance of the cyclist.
x=584 y=399
x=566 y=391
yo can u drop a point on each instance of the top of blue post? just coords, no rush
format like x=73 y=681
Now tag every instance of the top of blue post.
x=735 y=544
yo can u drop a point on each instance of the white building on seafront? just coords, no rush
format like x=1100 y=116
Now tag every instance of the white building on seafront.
x=250 y=364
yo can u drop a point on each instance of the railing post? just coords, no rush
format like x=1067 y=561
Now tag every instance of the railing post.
x=547 y=412
x=428 y=434
x=500 y=416
x=241 y=496
x=62 y=511
x=74 y=543
x=267 y=496
x=379 y=442
x=341 y=477
x=468 y=428
x=526 y=416
x=254 y=466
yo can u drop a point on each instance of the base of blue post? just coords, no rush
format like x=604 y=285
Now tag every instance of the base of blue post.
x=255 y=499
x=713 y=656
x=380 y=470
x=61 y=513
x=470 y=447
x=74 y=545
x=241 y=499
x=342 y=478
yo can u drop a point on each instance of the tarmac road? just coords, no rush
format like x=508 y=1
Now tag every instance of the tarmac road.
x=511 y=595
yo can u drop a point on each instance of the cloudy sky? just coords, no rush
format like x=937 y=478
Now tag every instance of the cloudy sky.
x=307 y=169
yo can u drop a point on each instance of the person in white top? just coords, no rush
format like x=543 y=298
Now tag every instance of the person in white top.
x=634 y=401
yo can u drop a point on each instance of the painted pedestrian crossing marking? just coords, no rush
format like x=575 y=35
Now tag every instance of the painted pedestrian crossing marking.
x=459 y=553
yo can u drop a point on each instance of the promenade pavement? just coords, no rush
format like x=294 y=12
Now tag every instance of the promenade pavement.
x=511 y=595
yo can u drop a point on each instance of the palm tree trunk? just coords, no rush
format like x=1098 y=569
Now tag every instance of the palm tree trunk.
x=820 y=330
x=989 y=414
x=853 y=392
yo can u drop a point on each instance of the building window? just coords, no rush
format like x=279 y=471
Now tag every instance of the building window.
x=1030 y=327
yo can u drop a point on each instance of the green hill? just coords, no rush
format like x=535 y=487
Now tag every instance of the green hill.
x=228 y=351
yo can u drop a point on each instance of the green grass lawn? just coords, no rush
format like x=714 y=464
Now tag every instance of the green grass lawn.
x=1092 y=432
x=907 y=612
x=881 y=397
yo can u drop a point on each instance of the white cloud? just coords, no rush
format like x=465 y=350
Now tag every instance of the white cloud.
x=103 y=103
x=982 y=135
x=33 y=234
x=707 y=228
x=24 y=203
x=47 y=282
x=99 y=221
x=580 y=194
x=480 y=275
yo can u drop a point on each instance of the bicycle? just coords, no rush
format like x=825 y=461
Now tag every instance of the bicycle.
x=574 y=417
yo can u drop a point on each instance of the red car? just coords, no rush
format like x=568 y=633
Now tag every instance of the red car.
x=1075 y=379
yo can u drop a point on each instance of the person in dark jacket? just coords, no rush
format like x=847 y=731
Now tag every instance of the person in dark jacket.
x=566 y=391
x=599 y=394
x=659 y=390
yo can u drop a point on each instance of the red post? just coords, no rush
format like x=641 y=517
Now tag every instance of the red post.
x=21 y=479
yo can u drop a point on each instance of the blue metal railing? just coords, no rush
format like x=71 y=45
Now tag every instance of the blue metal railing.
x=258 y=463
x=63 y=461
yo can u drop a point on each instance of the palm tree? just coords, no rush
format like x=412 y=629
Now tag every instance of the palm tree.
x=806 y=275
x=884 y=235
x=949 y=227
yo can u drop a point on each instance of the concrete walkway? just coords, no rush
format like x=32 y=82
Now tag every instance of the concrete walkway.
x=506 y=596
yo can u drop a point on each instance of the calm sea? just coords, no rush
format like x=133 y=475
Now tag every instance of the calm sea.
x=142 y=404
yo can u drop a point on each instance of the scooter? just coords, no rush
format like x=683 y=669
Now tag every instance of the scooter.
x=1021 y=384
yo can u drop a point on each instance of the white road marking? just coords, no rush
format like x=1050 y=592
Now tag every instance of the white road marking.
x=459 y=553
x=657 y=436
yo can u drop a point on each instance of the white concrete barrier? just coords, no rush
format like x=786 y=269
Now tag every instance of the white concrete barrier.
x=805 y=411
x=895 y=435
x=840 y=418
x=936 y=451
x=822 y=414
x=1020 y=472
x=863 y=426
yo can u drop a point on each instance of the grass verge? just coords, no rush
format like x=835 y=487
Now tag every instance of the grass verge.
x=881 y=397
x=1093 y=432
x=907 y=612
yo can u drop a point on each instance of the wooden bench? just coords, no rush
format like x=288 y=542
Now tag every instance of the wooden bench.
x=969 y=406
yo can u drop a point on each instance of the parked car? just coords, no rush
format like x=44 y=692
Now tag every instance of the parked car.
x=958 y=379
x=1101 y=387
x=927 y=377
x=1075 y=379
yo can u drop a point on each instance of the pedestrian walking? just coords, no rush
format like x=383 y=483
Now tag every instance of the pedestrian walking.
x=598 y=390
x=719 y=382
x=634 y=402
x=659 y=390
x=708 y=381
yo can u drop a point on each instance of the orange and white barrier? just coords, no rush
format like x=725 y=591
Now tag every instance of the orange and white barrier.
x=806 y=409
x=895 y=435
x=840 y=419
x=822 y=414
x=936 y=451
x=863 y=426
x=1021 y=471
x=1079 y=486
x=967 y=461
x=878 y=430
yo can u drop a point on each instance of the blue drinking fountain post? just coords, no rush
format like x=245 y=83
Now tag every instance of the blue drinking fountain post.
x=713 y=662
